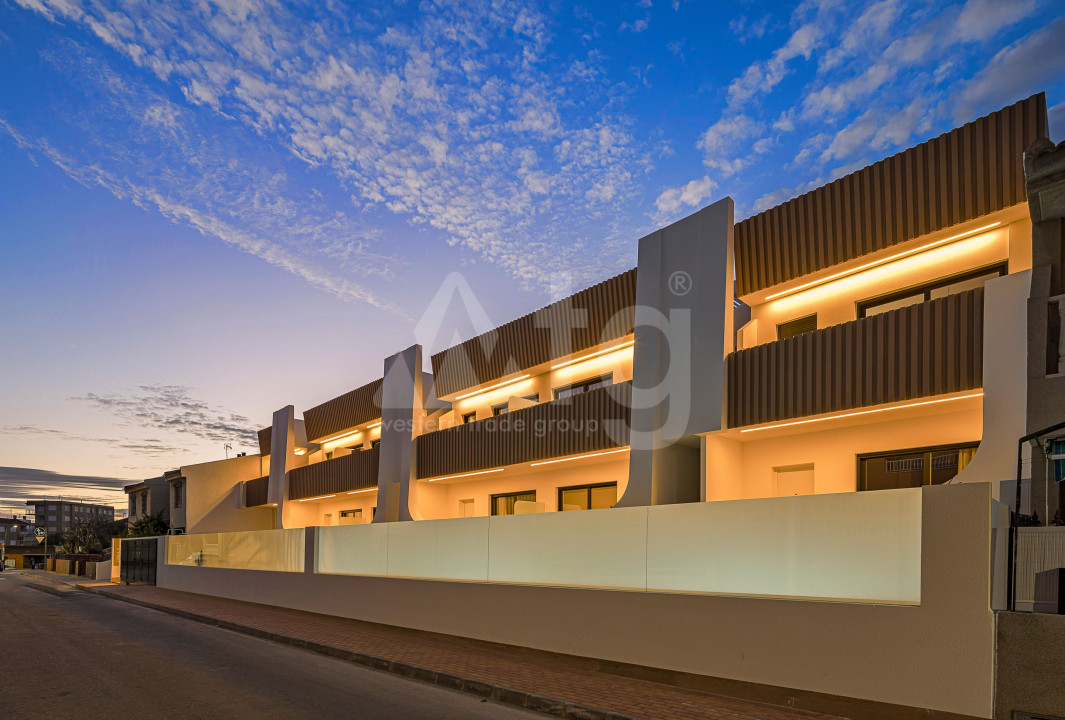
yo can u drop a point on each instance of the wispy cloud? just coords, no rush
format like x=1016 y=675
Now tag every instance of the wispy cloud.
x=176 y=410
x=454 y=121
x=17 y=485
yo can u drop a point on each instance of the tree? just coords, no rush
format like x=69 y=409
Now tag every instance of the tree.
x=147 y=526
x=83 y=536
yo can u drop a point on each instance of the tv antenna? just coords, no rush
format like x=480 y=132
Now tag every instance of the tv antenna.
x=229 y=446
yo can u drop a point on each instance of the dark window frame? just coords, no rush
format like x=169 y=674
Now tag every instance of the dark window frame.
x=927 y=288
x=794 y=323
x=588 y=488
x=500 y=409
x=177 y=494
x=927 y=449
x=469 y=417
x=493 y=498
x=604 y=380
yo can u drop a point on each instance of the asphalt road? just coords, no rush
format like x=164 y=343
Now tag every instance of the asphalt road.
x=84 y=656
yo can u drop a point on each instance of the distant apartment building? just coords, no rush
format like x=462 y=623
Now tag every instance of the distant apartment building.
x=56 y=516
x=16 y=531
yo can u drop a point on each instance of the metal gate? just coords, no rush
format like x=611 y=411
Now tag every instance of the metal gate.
x=138 y=560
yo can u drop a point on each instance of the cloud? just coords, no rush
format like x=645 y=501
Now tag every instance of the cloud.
x=763 y=77
x=691 y=194
x=1022 y=68
x=17 y=485
x=746 y=29
x=838 y=98
x=981 y=20
x=174 y=409
x=438 y=119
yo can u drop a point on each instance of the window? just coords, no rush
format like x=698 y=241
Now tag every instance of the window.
x=583 y=386
x=797 y=327
x=504 y=504
x=329 y=455
x=469 y=417
x=913 y=468
x=588 y=497
x=351 y=513
x=375 y=443
x=177 y=494
x=930 y=291
x=500 y=409
x=144 y=503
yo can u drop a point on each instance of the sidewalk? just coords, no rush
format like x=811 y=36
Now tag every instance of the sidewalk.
x=558 y=685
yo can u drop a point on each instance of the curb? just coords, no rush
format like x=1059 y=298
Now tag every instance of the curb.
x=488 y=691
x=46 y=588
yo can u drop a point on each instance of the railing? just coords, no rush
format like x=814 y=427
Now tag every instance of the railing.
x=926 y=349
x=256 y=492
x=591 y=421
x=356 y=471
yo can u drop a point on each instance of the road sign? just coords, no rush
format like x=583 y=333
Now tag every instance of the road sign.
x=39 y=533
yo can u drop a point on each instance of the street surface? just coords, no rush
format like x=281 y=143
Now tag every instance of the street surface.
x=84 y=656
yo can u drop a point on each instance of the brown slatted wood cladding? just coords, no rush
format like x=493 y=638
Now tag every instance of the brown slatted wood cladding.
x=917 y=351
x=599 y=314
x=264 y=440
x=348 y=410
x=357 y=471
x=541 y=432
x=256 y=491
x=968 y=172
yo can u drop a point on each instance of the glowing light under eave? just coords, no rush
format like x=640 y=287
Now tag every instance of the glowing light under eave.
x=862 y=412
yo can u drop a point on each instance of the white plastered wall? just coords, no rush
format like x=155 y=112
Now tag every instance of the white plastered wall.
x=738 y=466
x=213 y=492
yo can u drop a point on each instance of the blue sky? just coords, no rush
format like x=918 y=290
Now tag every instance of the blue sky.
x=209 y=212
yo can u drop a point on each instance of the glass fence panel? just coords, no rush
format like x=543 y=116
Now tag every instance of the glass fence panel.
x=353 y=550
x=1038 y=549
x=274 y=550
x=593 y=548
x=850 y=546
x=440 y=549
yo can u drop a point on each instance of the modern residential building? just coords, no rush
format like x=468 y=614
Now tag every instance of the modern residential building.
x=789 y=436
x=16 y=531
x=849 y=355
x=57 y=515
x=149 y=497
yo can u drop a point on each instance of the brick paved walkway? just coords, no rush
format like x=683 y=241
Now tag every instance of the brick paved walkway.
x=527 y=671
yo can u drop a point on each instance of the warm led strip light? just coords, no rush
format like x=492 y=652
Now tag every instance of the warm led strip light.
x=578 y=457
x=479 y=472
x=323 y=497
x=862 y=412
x=376 y=424
x=882 y=261
x=595 y=354
x=493 y=387
x=356 y=492
x=353 y=433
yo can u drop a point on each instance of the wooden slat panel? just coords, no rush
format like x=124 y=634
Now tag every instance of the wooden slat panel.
x=599 y=314
x=353 y=408
x=357 y=471
x=960 y=175
x=591 y=421
x=264 y=440
x=256 y=491
x=927 y=349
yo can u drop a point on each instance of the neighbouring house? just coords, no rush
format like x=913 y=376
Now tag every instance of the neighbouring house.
x=149 y=497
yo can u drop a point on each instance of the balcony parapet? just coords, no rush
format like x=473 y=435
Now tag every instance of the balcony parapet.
x=357 y=471
x=256 y=492
x=592 y=421
x=930 y=348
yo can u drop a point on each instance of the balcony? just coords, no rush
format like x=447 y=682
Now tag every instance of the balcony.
x=592 y=421
x=931 y=348
x=357 y=471
x=257 y=491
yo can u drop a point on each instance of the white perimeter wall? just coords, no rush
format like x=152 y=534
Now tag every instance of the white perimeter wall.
x=938 y=654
